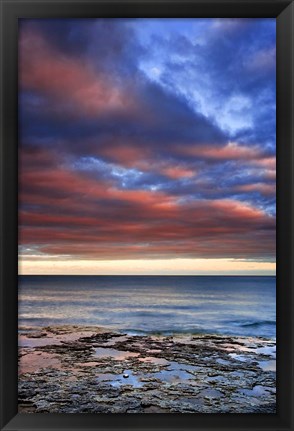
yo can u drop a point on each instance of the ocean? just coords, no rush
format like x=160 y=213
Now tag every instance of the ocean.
x=229 y=305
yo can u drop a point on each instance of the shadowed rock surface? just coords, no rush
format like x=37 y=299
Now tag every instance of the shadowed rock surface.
x=71 y=369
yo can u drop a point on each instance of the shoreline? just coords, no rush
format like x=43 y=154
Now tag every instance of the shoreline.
x=23 y=329
x=85 y=369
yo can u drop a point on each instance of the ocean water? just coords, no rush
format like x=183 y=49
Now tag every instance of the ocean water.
x=235 y=305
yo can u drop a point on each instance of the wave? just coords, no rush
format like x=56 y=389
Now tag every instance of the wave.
x=256 y=324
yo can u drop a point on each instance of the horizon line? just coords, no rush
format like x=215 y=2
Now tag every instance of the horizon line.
x=147 y=275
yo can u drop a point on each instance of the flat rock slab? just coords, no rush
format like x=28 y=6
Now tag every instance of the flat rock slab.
x=92 y=370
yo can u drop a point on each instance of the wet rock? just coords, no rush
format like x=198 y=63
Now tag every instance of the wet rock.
x=205 y=374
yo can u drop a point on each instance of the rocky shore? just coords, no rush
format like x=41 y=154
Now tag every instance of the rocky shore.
x=70 y=369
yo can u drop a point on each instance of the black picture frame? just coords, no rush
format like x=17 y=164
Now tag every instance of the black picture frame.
x=11 y=11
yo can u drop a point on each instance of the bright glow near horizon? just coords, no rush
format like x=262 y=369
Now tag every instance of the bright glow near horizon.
x=145 y=267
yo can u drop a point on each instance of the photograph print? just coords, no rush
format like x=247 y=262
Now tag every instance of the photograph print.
x=147 y=215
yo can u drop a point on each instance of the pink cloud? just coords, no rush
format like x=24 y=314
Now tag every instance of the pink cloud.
x=129 y=154
x=231 y=151
x=266 y=162
x=74 y=81
x=265 y=189
x=126 y=153
x=263 y=60
x=177 y=171
x=139 y=223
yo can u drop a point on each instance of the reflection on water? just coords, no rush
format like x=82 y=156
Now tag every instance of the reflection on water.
x=117 y=380
x=153 y=360
x=267 y=365
x=101 y=352
x=211 y=393
x=176 y=372
x=267 y=350
x=258 y=391
x=32 y=362
x=173 y=372
x=242 y=358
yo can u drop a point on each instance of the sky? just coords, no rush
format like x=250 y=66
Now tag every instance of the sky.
x=147 y=146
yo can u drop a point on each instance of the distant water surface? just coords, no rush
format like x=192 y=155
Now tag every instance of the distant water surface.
x=152 y=304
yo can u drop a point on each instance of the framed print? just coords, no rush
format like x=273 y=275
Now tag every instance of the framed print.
x=146 y=222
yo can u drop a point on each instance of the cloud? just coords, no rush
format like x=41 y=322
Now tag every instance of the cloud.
x=141 y=143
x=230 y=151
x=74 y=83
x=218 y=69
x=78 y=216
x=265 y=189
x=78 y=96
